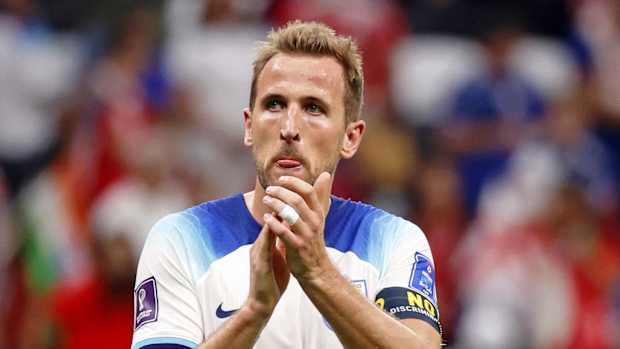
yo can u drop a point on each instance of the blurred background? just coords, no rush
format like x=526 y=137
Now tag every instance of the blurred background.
x=493 y=125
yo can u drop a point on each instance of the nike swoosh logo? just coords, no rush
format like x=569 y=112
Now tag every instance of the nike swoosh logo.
x=222 y=314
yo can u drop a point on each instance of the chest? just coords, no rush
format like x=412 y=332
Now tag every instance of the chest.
x=295 y=323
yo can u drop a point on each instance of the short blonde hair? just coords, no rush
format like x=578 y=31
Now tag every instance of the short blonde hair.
x=315 y=39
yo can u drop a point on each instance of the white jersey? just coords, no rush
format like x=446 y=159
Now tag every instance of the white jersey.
x=194 y=272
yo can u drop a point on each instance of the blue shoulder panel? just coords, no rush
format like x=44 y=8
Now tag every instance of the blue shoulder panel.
x=223 y=225
x=209 y=231
x=216 y=228
x=362 y=229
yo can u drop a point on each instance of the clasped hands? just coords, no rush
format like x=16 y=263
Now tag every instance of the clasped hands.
x=282 y=249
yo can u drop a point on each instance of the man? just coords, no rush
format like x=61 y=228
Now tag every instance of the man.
x=220 y=273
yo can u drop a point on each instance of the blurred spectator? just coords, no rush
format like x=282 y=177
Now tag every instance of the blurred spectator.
x=200 y=162
x=54 y=237
x=225 y=37
x=566 y=152
x=7 y=253
x=440 y=214
x=598 y=22
x=387 y=173
x=182 y=17
x=447 y=61
x=594 y=264
x=535 y=230
x=376 y=25
x=213 y=60
x=519 y=281
x=38 y=68
x=121 y=110
x=514 y=290
x=453 y=63
x=586 y=162
x=473 y=17
x=523 y=192
x=98 y=312
x=492 y=114
x=130 y=207
x=53 y=247
x=616 y=316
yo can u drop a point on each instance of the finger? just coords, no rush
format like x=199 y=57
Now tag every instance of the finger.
x=262 y=237
x=323 y=189
x=278 y=206
x=282 y=231
x=264 y=244
x=290 y=198
x=303 y=188
x=280 y=247
x=280 y=267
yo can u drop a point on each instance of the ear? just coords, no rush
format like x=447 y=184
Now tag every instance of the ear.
x=247 y=126
x=352 y=138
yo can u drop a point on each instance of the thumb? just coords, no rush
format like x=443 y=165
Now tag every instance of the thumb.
x=323 y=189
x=265 y=242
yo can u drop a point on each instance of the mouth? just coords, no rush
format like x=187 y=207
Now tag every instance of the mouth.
x=288 y=163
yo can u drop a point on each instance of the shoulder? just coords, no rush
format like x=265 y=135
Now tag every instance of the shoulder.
x=199 y=235
x=176 y=227
x=177 y=239
x=367 y=216
x=364 y=229
x=202 y=222
x=391 y=232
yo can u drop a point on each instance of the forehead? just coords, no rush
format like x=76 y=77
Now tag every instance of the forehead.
x=290 y=74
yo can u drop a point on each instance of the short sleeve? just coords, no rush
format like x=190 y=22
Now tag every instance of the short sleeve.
x=406 y=286
x=166 y=308
x=410 y=262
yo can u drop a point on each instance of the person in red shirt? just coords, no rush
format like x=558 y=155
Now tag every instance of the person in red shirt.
x=97 y=313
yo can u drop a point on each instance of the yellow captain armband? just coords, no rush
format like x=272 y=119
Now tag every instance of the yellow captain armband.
x=406 y=303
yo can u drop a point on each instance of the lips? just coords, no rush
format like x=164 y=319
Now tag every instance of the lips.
x=288 y=163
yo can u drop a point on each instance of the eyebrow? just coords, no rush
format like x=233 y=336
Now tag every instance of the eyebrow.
x=271 y=96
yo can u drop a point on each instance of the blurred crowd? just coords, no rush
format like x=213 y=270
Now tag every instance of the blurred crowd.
x=493 y=125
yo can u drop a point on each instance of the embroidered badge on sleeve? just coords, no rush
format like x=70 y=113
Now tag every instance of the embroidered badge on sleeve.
x=145 y=303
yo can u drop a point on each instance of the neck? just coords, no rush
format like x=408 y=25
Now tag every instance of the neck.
x=254 y=202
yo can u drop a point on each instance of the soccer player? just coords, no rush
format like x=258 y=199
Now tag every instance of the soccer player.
x=287 y=265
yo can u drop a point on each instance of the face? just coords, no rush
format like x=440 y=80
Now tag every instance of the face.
x=297 y=126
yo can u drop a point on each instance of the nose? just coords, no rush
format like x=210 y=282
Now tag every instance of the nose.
x=289 y=125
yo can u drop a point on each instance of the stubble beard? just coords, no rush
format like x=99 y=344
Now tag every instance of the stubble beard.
x=263 y=168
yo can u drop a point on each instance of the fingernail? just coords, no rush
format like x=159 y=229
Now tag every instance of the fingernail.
x=266 y=199
x=266 y=216
x=283 y=178
x=269 y=189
